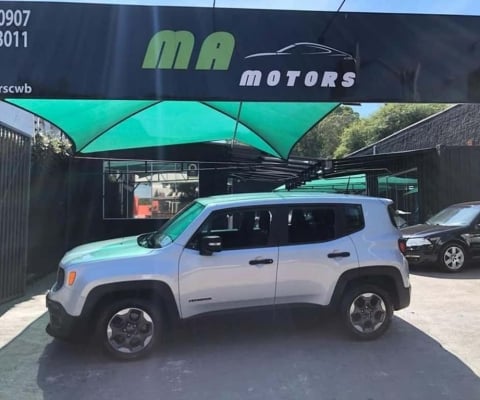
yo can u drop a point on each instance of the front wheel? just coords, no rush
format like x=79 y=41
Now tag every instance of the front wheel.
x=129 y=328
x=367 y=311
x=453 y=258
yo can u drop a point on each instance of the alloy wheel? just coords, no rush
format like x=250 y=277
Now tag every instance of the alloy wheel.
x=367 y=312
x=130 y=330
x=453 y=258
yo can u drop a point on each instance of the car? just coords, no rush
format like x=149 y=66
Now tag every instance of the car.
x=304 y=56
x=449 y=239
x=305 y=48
x=230 y=252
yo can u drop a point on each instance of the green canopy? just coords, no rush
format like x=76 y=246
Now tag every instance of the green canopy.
x=103 y=125
x=351 y=183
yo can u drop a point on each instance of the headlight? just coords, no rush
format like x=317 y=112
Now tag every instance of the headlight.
x=60 y=279
x=416 y=242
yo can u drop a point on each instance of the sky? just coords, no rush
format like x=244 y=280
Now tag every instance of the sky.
x=366 y=109
x=16 y=118
x=461 y=7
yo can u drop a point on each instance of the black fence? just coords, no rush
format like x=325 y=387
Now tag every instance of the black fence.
x=66 y=209
x=14 y=204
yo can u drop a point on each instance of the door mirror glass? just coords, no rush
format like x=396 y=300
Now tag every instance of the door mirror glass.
x=210 y=244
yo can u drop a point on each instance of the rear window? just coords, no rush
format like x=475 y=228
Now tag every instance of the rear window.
x=354 y=221
x=307 y=224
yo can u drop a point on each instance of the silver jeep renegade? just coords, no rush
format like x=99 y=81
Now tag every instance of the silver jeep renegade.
x=235 y=252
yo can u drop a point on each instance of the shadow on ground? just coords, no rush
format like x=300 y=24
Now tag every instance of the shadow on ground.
x=36 y=288
x=248 y=356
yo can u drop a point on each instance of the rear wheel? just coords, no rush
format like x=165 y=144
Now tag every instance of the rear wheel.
x=453 y=258
x=129 y=329
x=367 y=311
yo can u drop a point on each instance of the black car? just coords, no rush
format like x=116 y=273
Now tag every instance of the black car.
x=450 y=238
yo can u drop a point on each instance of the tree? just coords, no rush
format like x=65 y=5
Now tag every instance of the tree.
x=50 y=150
x=387 y=120
x=322 y=140
x=356 y=136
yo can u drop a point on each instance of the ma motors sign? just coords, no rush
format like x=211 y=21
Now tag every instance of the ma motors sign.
x=173 y=50
x=73 y=50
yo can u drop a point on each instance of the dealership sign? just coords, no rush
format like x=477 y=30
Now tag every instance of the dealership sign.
x=61 y=50
x=173 y=50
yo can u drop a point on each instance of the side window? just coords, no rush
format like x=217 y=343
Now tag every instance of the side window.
x=311 y=224
x=237 y=228
x=354 y=221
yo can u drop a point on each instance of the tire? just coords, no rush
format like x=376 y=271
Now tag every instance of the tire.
x=453 y=257
x=366 y=311
x=130 y=328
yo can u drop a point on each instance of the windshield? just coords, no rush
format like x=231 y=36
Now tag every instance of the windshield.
x=454 y=216
x=172 y=228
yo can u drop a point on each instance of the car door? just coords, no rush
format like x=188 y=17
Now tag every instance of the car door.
x=473 y=237
x=241 y=275
x=313 y=253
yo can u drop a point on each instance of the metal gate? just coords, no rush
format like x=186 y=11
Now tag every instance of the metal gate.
x=15 y=150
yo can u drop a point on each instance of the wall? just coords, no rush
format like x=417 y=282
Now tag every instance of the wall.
x=449 y=175
x=67 y=209
x=67 y=203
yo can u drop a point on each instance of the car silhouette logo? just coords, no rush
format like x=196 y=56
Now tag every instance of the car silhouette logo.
x=305 y=48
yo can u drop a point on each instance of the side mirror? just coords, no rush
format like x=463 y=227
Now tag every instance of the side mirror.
x=210 y=244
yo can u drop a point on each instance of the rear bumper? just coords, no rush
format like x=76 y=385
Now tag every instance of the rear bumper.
x=403 y=297
x=63 y=325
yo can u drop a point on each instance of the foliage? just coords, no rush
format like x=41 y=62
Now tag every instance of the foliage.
x=387 y=120
x=343 y=131
x=324 y=138
x=355 y=137
x=50 y=148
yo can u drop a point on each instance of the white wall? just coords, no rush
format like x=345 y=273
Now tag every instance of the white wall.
x=16 y=118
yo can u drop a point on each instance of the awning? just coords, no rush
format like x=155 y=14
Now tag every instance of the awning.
x=352 y=183
x=103 y=125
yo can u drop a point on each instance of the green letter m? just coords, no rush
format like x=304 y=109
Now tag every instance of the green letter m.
x=169 y=49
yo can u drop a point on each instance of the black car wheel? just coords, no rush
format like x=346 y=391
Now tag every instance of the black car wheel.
x=453 y=257
x=129 y=329
x=367 y=311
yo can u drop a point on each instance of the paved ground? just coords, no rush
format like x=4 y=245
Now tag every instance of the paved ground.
x=432 y=351
x=17 y=315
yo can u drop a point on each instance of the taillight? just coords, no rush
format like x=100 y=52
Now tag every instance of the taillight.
x=402 y=245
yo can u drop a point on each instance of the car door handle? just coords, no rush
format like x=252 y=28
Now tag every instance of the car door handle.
x=261 y=261
x=341 y=254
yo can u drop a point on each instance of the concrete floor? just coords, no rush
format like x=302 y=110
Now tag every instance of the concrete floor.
x=432 y=351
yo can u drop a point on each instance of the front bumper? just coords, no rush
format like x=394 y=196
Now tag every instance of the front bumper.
x=423 y=254
x=418 y=257
x=63 y=325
